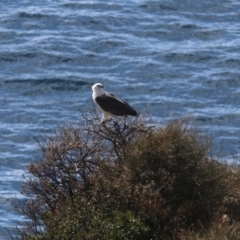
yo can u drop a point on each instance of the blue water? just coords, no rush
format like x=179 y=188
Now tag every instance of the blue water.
x=176 y=58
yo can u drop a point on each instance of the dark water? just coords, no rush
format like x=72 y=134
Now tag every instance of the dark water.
x=177 y=58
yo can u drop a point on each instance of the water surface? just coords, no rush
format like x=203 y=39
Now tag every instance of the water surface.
x=177 y=58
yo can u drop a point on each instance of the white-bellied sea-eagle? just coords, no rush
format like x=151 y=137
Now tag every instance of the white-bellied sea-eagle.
x=109 y=104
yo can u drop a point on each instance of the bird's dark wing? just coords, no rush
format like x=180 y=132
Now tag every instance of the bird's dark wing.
x=109 y=103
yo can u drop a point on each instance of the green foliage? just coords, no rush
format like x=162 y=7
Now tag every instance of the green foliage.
x=216 y=232
x=90 y=223
x=171 y=164
x=125 y=179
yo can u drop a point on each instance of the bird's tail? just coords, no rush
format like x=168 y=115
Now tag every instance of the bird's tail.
x=134 y=113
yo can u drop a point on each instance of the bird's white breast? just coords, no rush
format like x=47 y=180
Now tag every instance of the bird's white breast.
x=97 y=93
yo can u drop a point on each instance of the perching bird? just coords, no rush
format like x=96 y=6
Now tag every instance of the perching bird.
x=109 y=104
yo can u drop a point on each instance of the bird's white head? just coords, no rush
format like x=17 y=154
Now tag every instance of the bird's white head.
x=97 y=89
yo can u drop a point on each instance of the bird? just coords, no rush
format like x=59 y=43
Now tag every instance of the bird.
x=110 y=105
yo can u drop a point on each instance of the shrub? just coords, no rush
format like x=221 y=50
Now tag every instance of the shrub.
x=123 y=179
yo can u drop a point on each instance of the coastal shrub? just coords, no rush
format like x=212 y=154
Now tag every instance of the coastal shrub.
x=124 y=179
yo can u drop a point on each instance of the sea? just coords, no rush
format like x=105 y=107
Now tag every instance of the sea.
x=175 y=58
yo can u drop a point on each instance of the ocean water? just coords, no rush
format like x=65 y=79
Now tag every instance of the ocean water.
x=175 y=58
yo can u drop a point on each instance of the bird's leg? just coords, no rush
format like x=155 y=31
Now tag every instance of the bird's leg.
x=105 y=117
x=105 y=120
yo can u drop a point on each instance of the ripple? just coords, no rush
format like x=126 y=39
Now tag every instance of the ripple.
x=156 y=6
x=31 y=15
x=196 y=57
